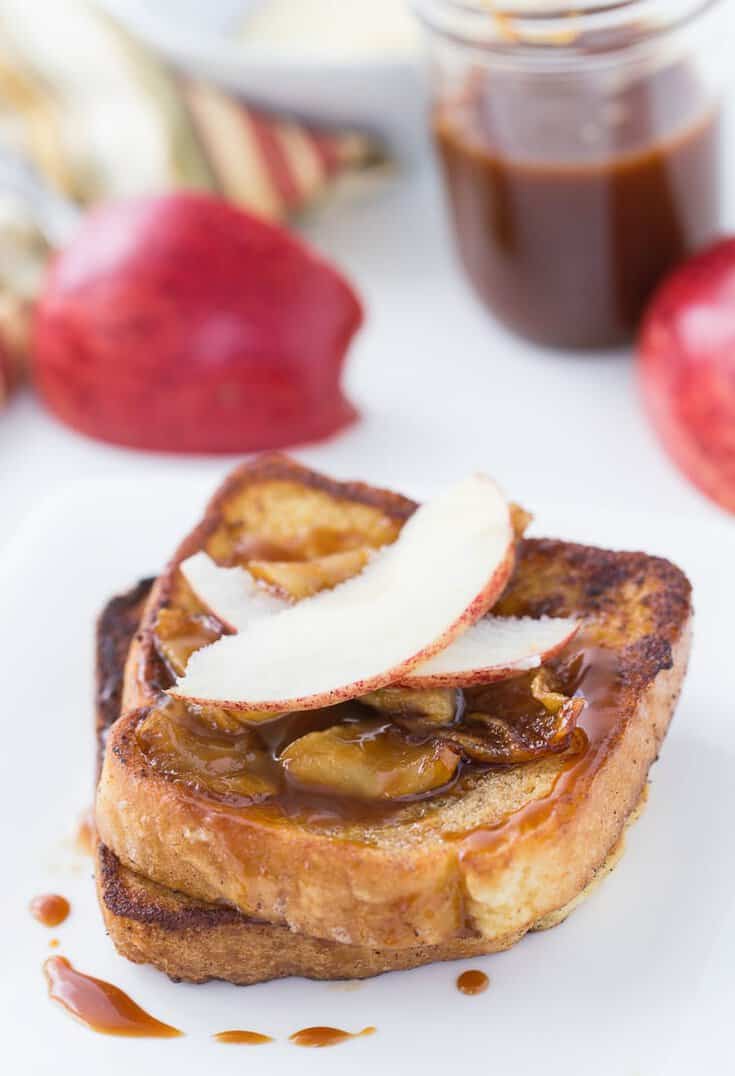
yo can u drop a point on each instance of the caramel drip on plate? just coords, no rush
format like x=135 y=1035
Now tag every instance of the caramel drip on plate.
x=50 y=909
x=100 y=1005
x=472 y=982
x=326 y=1036
x=246 y=1038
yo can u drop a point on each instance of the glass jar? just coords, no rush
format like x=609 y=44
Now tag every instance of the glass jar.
x=581 y=152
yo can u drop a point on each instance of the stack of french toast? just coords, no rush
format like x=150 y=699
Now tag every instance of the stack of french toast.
x=343 y=734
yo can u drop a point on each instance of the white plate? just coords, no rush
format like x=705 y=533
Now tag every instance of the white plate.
x=638 y=981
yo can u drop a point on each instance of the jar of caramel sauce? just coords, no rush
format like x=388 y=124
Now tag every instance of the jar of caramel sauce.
x=581 y=153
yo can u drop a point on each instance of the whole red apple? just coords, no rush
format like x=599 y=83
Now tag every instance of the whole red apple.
x=687 y=369
x=182 y=324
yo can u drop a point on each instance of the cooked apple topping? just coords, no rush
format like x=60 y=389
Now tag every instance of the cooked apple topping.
x=498 y=741
x=514 y=721
x=178 y=634
x=437 y=706
x=517 y=720
x=547 y=689
x=370 y=760
x=301 y=579
x=190 y=747
x=286 y=520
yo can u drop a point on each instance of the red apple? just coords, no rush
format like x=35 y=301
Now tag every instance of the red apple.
x=687 y=369
x=180 y=323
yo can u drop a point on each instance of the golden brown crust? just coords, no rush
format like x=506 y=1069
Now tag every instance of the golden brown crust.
x=196 y=941
x=409 y=882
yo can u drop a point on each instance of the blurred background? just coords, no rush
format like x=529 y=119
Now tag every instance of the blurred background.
x=403 y=241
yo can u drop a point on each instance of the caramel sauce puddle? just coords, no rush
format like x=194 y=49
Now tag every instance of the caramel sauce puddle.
x=246 y=1038
x=326 y=1036
x=50 y=909
x=100 y=1005
x=472 y=982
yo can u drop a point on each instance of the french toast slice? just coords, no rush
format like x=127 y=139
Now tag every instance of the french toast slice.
x=195 y=941
x=488 y=860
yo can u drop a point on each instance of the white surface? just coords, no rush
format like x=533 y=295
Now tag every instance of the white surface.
x=636 y=982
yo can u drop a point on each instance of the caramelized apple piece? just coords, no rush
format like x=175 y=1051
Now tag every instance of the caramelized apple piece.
x=301 y=579
x=436 y=706
x=547 y=690
x=369 y=759
x=178 y=634
x=289 y=520
x=500 y=741
x=187 y=746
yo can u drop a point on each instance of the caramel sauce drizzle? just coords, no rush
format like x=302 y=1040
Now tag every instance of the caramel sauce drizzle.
x=472 y=982
x=240 y=769
x=595 y=680
x=50 y=909
x=100 y=1005
x=326 y=1036
x=247 y=1038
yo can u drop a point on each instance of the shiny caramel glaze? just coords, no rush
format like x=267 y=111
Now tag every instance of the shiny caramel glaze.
x=244 y=767
x=472 y=982
x=326 y=1036
x=179 y=632
x=593 y=672
x=100 y=1005
x=50 y=909
x=242 y=1038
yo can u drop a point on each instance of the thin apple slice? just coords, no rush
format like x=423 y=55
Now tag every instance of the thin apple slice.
x=231 y=594
x=448 y=566
x=493 y=649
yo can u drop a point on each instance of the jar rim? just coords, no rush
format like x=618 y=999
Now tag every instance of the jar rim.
x=549 y=34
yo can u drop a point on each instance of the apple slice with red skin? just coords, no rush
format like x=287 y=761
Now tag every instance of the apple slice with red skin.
x=180 y=323
x=450 y=563
x=493 y=649
x=686 y=363
x=230 y=594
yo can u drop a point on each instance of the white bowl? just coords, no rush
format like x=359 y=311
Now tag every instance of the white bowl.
x=379 y=94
